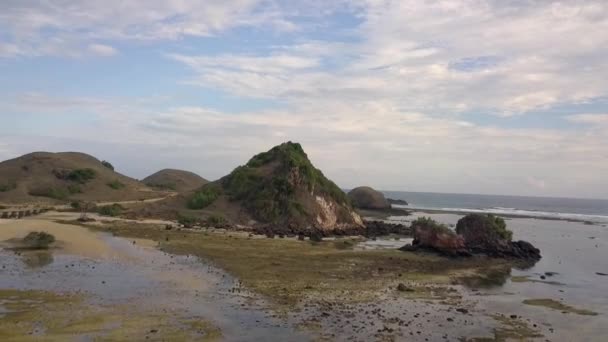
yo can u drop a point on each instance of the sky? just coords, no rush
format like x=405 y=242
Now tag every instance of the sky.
x=468 y=96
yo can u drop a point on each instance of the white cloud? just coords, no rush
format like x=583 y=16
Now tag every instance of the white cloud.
x=594 y=119
x=74 y=24
x=102 y=50
x=445 y=56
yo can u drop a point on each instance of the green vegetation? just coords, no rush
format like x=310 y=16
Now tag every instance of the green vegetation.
x=488 y=221
x=427 y=223
x=81 y=175
x=57 y=193
x=116 y=184
x=74 y=189
x=164 y=186
x=555 y=305
x=110 y=210
x=187 y=221
x=500 y=227
x=7 y=187
x=268 y=183
x=38 y=240
x=216 y=220
x=204 y=197
x=107 y=164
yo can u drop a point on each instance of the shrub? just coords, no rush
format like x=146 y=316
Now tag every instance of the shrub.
x=7 y=187
x=166 y=186
x=38 y=240
x=216 y=220
x=116 y=185
x=110 y=210
x=204 y=197
x=489 y=223
x=81 y=175
x=74 y=189
x=500 y=227
x=428 y=223
x=107 y=164
x=57 y=193
x=187 y=221
x=76 y=205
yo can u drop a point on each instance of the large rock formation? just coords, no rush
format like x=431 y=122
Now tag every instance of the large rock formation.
x=475 y=234
x=429 y=234
x=278 y=189
x=59 y=177
x=364 y=197
x=488 y=234
x=176 y=180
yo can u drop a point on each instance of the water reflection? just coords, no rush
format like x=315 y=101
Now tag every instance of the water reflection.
x=37 y=259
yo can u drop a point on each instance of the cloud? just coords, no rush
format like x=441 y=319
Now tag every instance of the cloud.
x=593 y=119
x=65 y=28
x=102 y=50
x=442 y=57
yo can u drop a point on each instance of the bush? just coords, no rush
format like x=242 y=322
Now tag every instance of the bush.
x=428 y=223
x=74 y=189
x=107 y=164
x=38 y=240
x=187 y=221
x=204 y=197
x=81 y=175
x=488 y=222
x=217 y=221
x=7 y=187
x=110 y=210
x=166 y=186
x=57 y=193
x=116 y=185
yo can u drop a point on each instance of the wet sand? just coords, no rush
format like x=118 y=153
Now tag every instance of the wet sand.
x=110 y=271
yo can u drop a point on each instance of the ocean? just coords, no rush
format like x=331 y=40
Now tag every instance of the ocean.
x=591 y=210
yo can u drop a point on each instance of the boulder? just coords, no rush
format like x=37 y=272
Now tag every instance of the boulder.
x=429 y=234
x=475 y=234
x=483 y=231
x=397 y=201
x=365 y=197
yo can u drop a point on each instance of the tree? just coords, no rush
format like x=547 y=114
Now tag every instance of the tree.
x=108 y=165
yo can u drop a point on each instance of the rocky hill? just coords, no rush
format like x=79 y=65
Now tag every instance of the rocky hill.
x=175 y=180
x=280 y=187
x=44 y=177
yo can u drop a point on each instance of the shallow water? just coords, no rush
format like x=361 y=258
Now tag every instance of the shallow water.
x=575 y=252
x=134 y=272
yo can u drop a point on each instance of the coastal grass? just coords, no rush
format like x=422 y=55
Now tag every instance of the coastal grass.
x=289 y=271
x=559 y=306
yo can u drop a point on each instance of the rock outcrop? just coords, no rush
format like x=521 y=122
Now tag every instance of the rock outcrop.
x=397 y=201
x=279 y=189
x=475 y=234
x=365 y=197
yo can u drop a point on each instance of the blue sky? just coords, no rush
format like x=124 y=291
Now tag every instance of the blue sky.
x=476 y=96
